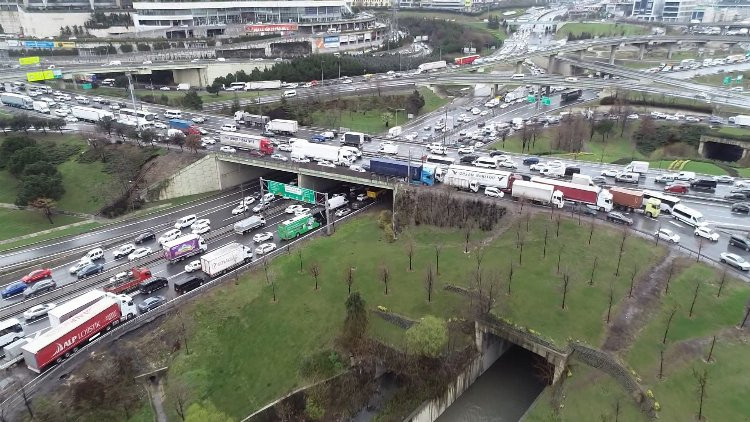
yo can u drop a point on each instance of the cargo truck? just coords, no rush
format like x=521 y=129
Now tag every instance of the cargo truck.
x=17 y=100
x=251 y=223
x=297 y=226
x=474 y=178
x=247 y=142
x=67 y=310
x=571 y=95
x=184 y=126
x=225 y=258
x=184 y=247
x=252 y=120
x=431 y=66
x=639 y=167
x=631 y=200
x=355 y=139
x=742 y=120
x=395 y=168
x=337 y=201
x=337 y=155
x=286 y=127
x=61 y=341
x=90 y=114
x=588 y=195
x=130 y=283
x=539 y=193
x=41 y=107
x=258 y=85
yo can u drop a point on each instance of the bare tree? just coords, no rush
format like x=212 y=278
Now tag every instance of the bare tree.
x=702 y=379
x=700 y=248
x=611 y=300
x=557 y=232
x=349 y=278
x=744 y=320
x=180 y=393
x=521 y=241
x=632 y=281
x=438 y=248
x=669 y=322
x=622 y=249
x=26 y=401
x=559 y=257
x=695 y=296
x=721 y=283
x=591 y=232
x=566 y=280
x=429 y=283
x=467 y=237
x=299 y=255
x=270 y=280
x=669 y=276
x=593 y=270
x=661 y=361
x=315 y=272
x=385 y=274
x=544 y=251
x=711 y=350
x=492 y=287
x=410 y=251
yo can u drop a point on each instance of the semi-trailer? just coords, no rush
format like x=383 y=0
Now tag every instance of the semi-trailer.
x=17 y=100
x=185 y=126
x=90 y=114
x=589 y=195
x=474 y=178
x=258 y=85
x=432 y=66
x=184 y=247
x=418 y=172
x=61 y=341
x=631 y=200
x=247 y=142
x=337 y=155
x=225 y=258
x=288 y=127
x=537 y=192
x=253 y=120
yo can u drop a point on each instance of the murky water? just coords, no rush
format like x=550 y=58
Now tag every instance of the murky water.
x=503 y=393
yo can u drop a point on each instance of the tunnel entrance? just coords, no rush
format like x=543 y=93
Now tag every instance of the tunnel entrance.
x=722 y=152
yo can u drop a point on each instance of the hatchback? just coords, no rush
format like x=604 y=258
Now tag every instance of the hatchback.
x=676 y=189
x=13 y=289
x=147 y=235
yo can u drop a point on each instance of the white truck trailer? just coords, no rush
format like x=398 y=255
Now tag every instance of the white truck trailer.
x=90 y=114
x=473 y=178
x=432 y=66
x=313 y=151
x=225 y=258
x=41 y=107
x=258 y=85
x=538 y=193
x=288 y=127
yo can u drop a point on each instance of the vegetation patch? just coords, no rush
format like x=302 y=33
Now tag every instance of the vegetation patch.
x=580 y=31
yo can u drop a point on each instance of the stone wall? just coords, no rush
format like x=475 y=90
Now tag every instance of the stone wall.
x=199 y=177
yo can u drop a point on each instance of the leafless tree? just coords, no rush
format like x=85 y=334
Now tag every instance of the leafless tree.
x=702 y=378
x=299 y=255
x=520 y=249
x=711 y=350
x=528 y=217
x=269 y=279
x=544 y=251
x=26 y=401
x=186 y=324
x=557 y=232
x=632 y=281
x=467 y=237
x=617 y=410
x=315 y=272
x=744 y=320
x=410 y=251
x=669 y=276
x=438 y=247
x=591 y=232
x=429 y=283
x=661 y=362
x=385 y=274
x=559 y=257
x=622 y=249
x=611 y=300
x=593 y=269
x=493 y=286
x=721 y=283
x=700 y=248
x=180 y=393
x=695 y=296
x=349 y=278
x=669 y=322
x=566 y=281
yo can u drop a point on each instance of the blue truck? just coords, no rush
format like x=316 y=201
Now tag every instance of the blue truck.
x=420 y=173
x=187 y=127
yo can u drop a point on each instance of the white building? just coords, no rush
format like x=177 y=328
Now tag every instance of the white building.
x=677 y=10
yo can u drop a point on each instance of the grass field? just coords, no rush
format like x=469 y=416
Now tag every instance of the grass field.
x=718 y=79
x=21 y=222
x=88 y=186
x=82 y=228
x=696 y=166
x=9 y=185
x=600 y=29
x=733 y=131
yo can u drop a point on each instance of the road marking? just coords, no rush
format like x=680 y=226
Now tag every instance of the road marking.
x=677 y=224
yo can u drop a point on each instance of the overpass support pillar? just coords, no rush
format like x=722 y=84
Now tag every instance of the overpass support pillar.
x=612 y=50
x=670 y=51
x=519 y=67
x=551 y=62
x=641 y=51
x=267 y=50
x=580 y=54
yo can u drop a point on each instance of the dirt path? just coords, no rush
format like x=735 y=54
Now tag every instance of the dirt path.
x=634 y=313
x=156 y=394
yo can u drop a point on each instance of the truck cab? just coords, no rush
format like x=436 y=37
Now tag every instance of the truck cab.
x=127 y=307
x=652 y=207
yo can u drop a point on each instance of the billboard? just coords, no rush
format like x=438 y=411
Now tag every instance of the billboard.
x=331 y=42
x=28 y=60
x=40 y=76
x=65 y=44
x=271 y=27
x=39 y=44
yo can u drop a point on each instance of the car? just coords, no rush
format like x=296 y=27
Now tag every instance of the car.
x=42 y=286
x=165 y=88
x=610 y=173
x=89 y=270
x=735 y=261
x=293 y=208
x=170 y=235
x=200 y=228
x=528 y=161
x=665 y=178
x=13 y=289
x=37 y=275
x=193 y=266
x=147 y=235
x=247 y=200
x=361 y=197
x=357 y=168
x=139 y=253
x=466 y=150
x=61 y=112
x=743 y=191
x=741 y=207
x=70 y=119
x=707 y=233
x=239 y=209
x=724 y=179
x=160 y=125
x=302 y=211
x=265 y=248
x=507 y=164
x=493 y=192
x=325 y=163
x=260 y=207
x=619 y=218
x=285 y=147
x=633 y=116
x=279 y=157
x=227 y=149
x=342 y=212
x=538 y=166
x=676 y=188
x=300 y=159
x=267 y=198
x=735 y=196
x=200 y=222
x=117 y=278
x=148 y=62
x=229 y=127
x=668 y=235
x=123 y=251
x=599 y=180
x=79 y=265
x=262 y=237
x=38 y=311
x=208 y=140
x=198 y=119
x=151 y=303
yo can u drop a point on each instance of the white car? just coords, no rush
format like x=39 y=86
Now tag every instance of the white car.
x=170 y=235
x=610 y=173
x=123 y=251
x=735 y=260
x=668 y=235
x=139 y=253
x=466 y=150
x=692 y=119
x=325 y=163
x=707 y=233
x=342 y=212
x=302 y=211
x=475 y=111
x=117 y=278
x=227 y=149
x=262 y=237
x=38 y=311
x=193 y=266
x=538 y=166
x=61 y=112
x=165 y=88
x=260 y=207
x=507 y=164
x=484 y=112
x=160 y=125
x=239 y=209
x=285 y=147
x=247 y=200
x=70 y=119
x=201 y=228
x=493 y=192
x=79 y=265
x=148 y=62
x=229 y=128
x=279 y=157
x=293 y=208
x=358 y=169
x=208 y=140
x=300 y=160
x=198 y=119
x=265 y=248
x=361 y=197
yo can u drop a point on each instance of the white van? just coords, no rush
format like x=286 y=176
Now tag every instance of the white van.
x=185 y=221
x=688 y=215
x=685 y=176
x=517 y=76
x=486 y=162
x=108 y=82
x=289 y=93
x=94 y=254
x=173 y=114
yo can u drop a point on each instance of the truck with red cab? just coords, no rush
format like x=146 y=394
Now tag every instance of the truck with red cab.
x=130 y=283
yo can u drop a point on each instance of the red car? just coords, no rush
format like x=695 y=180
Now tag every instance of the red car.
x=37 y=275
x=676 y=189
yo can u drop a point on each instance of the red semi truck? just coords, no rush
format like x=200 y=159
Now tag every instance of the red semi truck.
x=129 y=282
x=466 y=60
x=61 y=341
x=589 y=195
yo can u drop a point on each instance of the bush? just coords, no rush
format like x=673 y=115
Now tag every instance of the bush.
x=143 y=47
x=126 y=48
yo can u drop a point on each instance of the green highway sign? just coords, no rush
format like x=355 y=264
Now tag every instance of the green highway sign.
x=546 y=101
x=531 y=98
x=291 y=192
x=738 y=78
x=727 y=80
x=86 y=86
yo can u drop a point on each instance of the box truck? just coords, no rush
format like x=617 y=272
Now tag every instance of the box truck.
x=61 y=341
x=640 y=167
x=537 y=192
x=287 y=127
x=313 y=151
x=742 y=120
x=474 y=178
x=129 y=283
x=631 y=200
x=388 y=148
x=17 y=100
x=588 y=195
x=297 y=226
x=247 y=142
x=337 y=201
x=184 y=126
x=90 y=114
x=184 y=247
x=395 y=131
x=225 y=258
x=258 y=85
x=355 y=139
x=251 y=223
x=41 y=107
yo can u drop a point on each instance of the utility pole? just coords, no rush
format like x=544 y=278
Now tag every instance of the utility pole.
x=132 y=98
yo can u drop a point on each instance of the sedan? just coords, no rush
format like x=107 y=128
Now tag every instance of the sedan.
x=735 y=196
x=123 y=251
x=78 y=266
x=537 y=166
x=357 y=168
x=265 y=248
x=619 y=218
x=735 y=261
x=342 y=212
x=599 y=180
x=198 y=119
x=668 y=235
x=70 y=119
x=40 y=287
x=707 y=233
x=262 y=237
x=293 y=208
x=13 y=289
x=260 y=207
x=37 y=275
x=466 y=150
x=610 y=173
x=200 y=222
x=89 y=270
x=676 y=188
x=507 y=164
x=208 y=140
x=328 y=164
x=147 y=235
x=279 y=157
x=38 y=311
x=633 y=116
x=200 y=228
x=151 y=303
x=239 y=209
x=139 y=253
x=193 y=266
x=724 y=179
x=741 y=207
x=61 y=112
x=227 y=149
x=285 y=147
x=302 y=211
x=160 y=125
x=665 y=178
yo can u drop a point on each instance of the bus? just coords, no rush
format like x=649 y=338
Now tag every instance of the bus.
x=10 y=331
x=297 y=226
x=143 y=114
x=667 y=202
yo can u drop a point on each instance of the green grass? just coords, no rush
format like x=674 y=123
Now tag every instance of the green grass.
x=82 y=228
x=718 y=79
x=22 y=222
x=744 y=172
x=695 y=166
x=87 y=186
x=600 y=29
x=733 y=131
x=9 y=187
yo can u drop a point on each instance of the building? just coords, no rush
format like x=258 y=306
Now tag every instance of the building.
x=458 y=5
x=374 y=4
x=677 y=10
x=647 y=10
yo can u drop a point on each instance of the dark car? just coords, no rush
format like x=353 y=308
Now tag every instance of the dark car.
x=151 y=303
x=470 y=158
x=569 y=171
x=704 y=183
x=147 y=235
x=741 y=208
x=530 y=160
x=90 y=270
x=186 y=285
x=618 y=218
x=317 y=138
x=739 y=242
x=42 y=286
x=745 y=192
x=152 y=284
x=497 y=152
x=13 y=289
x=267 y=133
x=599 y=180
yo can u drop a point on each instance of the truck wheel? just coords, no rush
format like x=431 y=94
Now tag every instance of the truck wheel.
x=650 y=215
x=75 y=349
x=67 y=355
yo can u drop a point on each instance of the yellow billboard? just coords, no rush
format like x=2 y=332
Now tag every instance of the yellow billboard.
x=65 y=44
x=29 y=60
x=40 y=76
